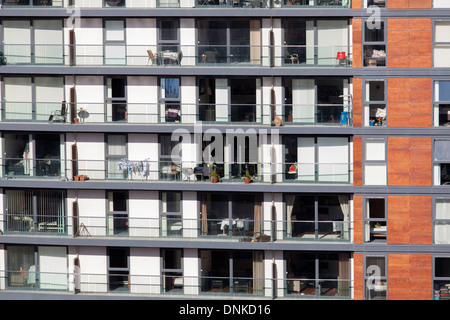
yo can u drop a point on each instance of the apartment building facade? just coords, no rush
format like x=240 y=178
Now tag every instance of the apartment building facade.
x=117 y=115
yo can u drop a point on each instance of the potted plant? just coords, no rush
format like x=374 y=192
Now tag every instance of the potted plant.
x=214 y=176
x=247 y=178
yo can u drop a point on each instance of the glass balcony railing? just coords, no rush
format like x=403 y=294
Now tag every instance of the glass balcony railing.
x=318 y=288
x=166 y=225
x=247 y=4
x=176 y=171
x=174 y=113
x=202 y=55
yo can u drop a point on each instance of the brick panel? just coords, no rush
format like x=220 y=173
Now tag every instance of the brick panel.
x=409 y=102
x=408 y=40
x=357 y=102
x=408 y=4
x=410 y=220
x=357 y=43
x=357 y=219
x=357 y=161
x=358 y=276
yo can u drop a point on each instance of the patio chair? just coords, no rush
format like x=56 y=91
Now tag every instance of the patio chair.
x=59 y=115
x=151 y=57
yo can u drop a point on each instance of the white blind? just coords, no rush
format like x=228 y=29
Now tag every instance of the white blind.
x=116 y=145
x=114 y=30
x=333 y=159
x=53 y=268
x=441 y=4
x=375 y=150
x=442 y=208
x=375 y=174
x=49 y=89
x=442 y=31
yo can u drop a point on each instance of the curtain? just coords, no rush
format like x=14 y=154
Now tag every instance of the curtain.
x=53 y=268
x=257 y=272
x=203 y=214
x=257 y=215
x=343 y=202
x=303 y=95
x=290 y=199
x=344 y=275
x=18 y=98
x=255 y=42
x=333 y=159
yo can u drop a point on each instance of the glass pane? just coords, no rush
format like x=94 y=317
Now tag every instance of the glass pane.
x=375 y=209
x=375 y=150
x=374 y=33
x=117 y=145
x=444 y=90
x=21 y=265
x=114 y=30
x=118 y=258
x=169 y=30
x=171 y=259
x=376 y=266
x=442 y=267
x=375 y=91
x=170 y=88
x=442 y=208
x=117 y=201
x=171 y=201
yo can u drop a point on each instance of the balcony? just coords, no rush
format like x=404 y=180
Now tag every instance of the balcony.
x=176 y=113
x=202 y=55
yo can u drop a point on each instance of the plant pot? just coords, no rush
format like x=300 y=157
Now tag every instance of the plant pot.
x=247 y=180
x=214 y=179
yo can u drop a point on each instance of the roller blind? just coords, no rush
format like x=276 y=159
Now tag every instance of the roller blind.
x=442 y=150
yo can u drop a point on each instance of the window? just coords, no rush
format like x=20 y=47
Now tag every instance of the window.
x=34 y=155
x=33 y=98
x=375 y=224
x=35 y=41
x=169 y=42
x=237 y=272
x=37 y=267
x=234 y=215
x=375 y=168
x=375 y=114
x=378 y=3
x=114 y=44
x=172 y=270
x=116 y=99
x=442 y=221
x=34 y=3
x=114 y=3
x=118 y=269
x=229 y=100
x=169 y=165
x=168 y=3
x=308 y=159
x=117 y=213
x=316 y=101
x=374 y=44
x=314 y=42
x=40 y=211
x=441 y=44
x=171 y=215
x=441 y=159
x=324 y=217
x=442 y=103
x=441 y=4
x=375 y=278
x=116 y=155
x=229 y=42
x=441 y=278
x=318 y=274
x=170 y=99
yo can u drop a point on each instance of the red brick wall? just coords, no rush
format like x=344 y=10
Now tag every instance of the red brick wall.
x=409 y=161
x=407 y=4
x=410 y=277
x=409 y=43
x=409 y=220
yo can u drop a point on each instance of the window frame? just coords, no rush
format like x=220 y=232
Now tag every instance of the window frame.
x=168 y=218
x=367 y=277
x=368 y=220
x=110 y=214
x=435 y=44
x=107 y=42
x=172 y=273
x=368 y=103
x=367 y=43
x=375 y=162
x=121 y=271
x=115 y=158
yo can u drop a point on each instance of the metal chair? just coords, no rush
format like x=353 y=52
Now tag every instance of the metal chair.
x=59 y=115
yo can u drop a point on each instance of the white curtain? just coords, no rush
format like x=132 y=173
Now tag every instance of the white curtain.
x=17 y=41
x=303 y=93
x=343 y=202
x=306 y=159
x=257 y=272
x=18 y=97
x=332 y=37
x=333 y=159
x=290 y=199
x=48 y=40
x=53 y=268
